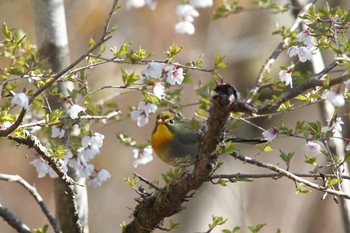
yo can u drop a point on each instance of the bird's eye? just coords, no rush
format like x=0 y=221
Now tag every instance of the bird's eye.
x=171 y=121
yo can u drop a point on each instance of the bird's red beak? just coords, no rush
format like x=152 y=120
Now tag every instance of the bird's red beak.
x=160 y=122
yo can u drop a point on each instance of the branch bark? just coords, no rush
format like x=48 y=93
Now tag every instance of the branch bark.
x=13 y=221
x=32 y=190
x=52 y=39
x=152 y=209
x=289 y=175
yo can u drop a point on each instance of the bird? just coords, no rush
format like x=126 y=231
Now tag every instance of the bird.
x=175 y=141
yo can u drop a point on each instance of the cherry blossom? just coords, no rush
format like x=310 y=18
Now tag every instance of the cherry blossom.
x=174 y=75
x=159 y=90
x=312 y=148
x=336 y=99
x=201 y=3
x=57 y=131
x=306 y=38
x=142 y=156
x=96 y=139
x=140 y=116
x=286 y=77
x=102 y=176
x=74 y=110
x=304 y=54
x=21 y=100
x=153 y=70
x=152 y=4
x=270 y=134
x=185 y=27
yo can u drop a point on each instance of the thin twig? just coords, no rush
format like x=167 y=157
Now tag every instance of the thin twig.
x=314 y=81
x=288 y=174
x=32 y=190
x=147 y=182
x=278 y=50
x=238 y=176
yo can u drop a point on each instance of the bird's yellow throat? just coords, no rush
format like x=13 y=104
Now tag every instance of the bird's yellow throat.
x=161 y=137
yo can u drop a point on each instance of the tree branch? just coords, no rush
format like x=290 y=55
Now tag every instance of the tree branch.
x=288 y=174
x=151 y=210
x=32 y=190
x=278 y=50
x=314 y=81
x=13 y=221
x=239 y=176
x=33 y=142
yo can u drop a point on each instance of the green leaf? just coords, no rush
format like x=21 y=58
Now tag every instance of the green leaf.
x=173 y=225
x=217 y=221
x=301 y=190
x=91 y=43
x=54 y=117
x=173 y=50
x=286 y=157
x=132 y=182
x=332 y=181
x=268 y=148
x=171 y=175
x=126 y=140
x=103 y=47
x=311 y=160
x=6 y=31
x=122 y=50
x=42 y=230
x=219 y=61
x=257 y=228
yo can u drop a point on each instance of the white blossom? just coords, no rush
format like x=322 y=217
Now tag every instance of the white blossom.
x=159 y=90
x=102 y=176
x=57 y=131
x=201 y=3
x=270 y=134
x=74 y=110
x=90 y=152
x=142 y=156
x=312 y=148
x=336 y=99
x=147 y=107
x=306 y=38
x=185 y=27
x=86 y=170
x=187 y=12
x=174 y=75
x=96 y=140
x=153 y=70
x=347 y=148
x=334 y=125
x=21 y=100
x=75 y=131
x=304 y=54
x=286 y=77
x=41 y=167
x=140 y=116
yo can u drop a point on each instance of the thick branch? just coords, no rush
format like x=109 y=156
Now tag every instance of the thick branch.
x=151 y=210
x=13 y=221
x=33 y=142
x=289 y=175
x=32 y=190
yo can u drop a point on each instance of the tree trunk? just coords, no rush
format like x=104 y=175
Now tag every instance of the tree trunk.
x=52 y=41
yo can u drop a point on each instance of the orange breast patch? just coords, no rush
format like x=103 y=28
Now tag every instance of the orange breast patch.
x=161 y=137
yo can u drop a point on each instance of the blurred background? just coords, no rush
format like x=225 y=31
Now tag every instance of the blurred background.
x=245 y=40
